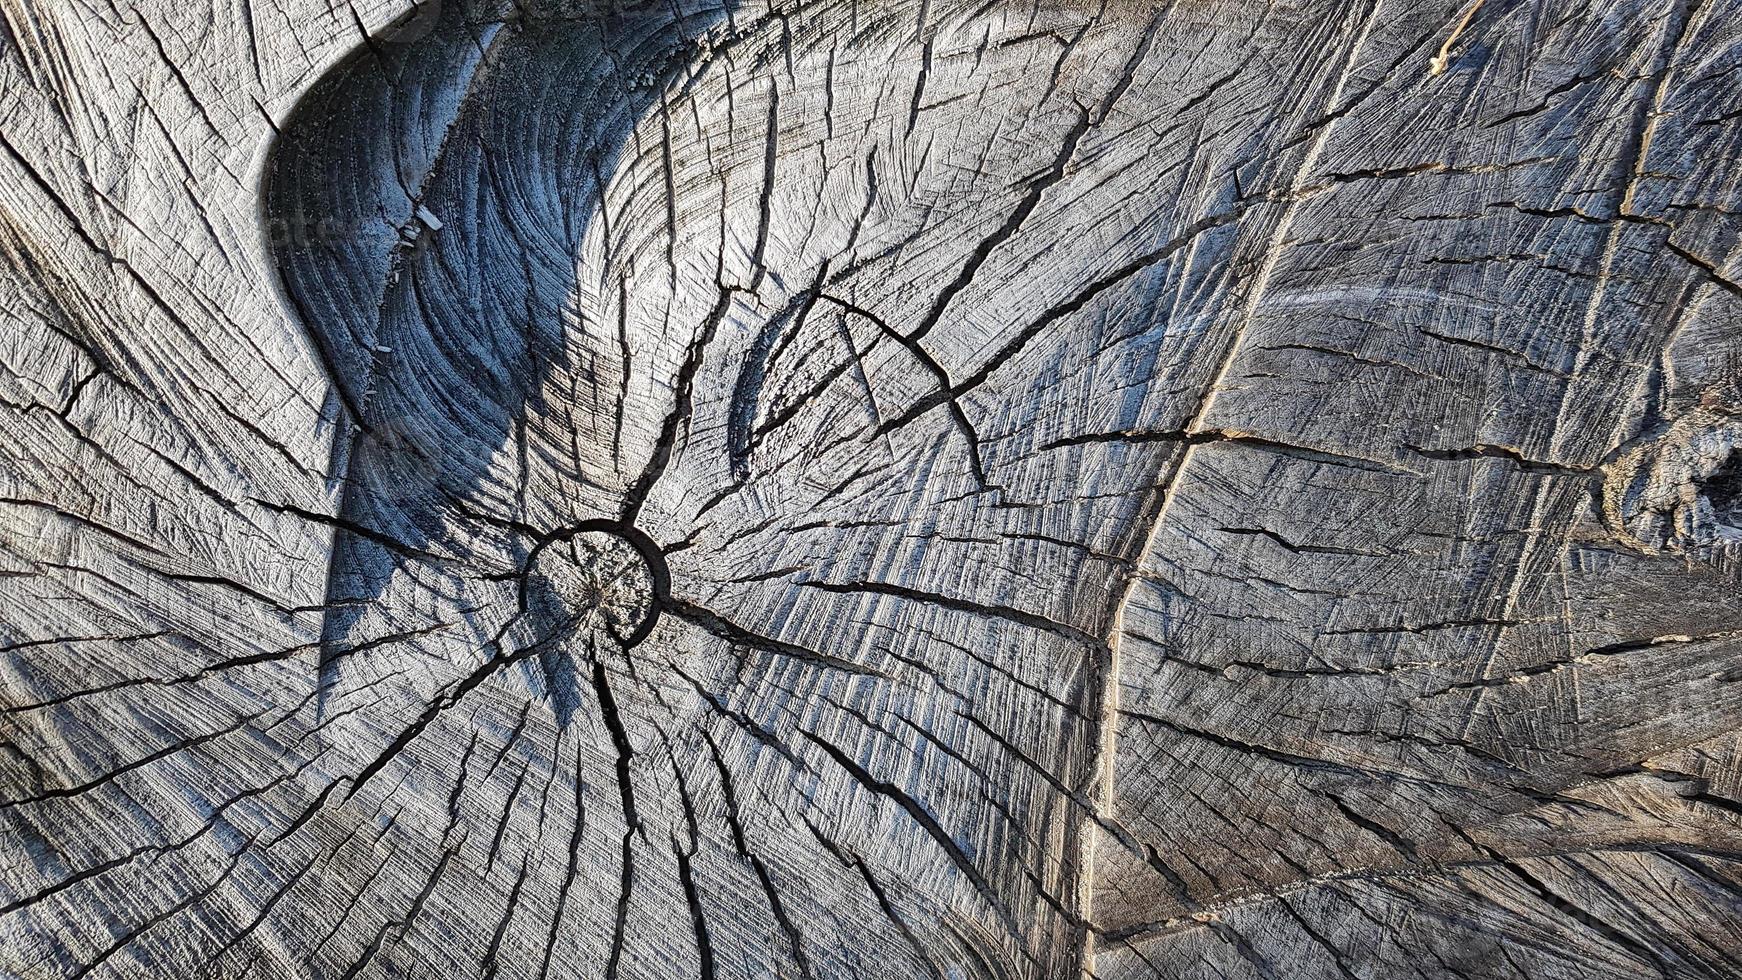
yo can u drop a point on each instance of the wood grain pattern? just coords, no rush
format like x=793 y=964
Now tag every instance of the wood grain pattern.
x=762 y=489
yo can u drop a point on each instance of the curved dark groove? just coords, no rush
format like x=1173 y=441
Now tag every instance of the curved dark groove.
x=644 y=546
x=426 y=206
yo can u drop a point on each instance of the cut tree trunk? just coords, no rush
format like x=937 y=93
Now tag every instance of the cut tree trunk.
x=762 y=489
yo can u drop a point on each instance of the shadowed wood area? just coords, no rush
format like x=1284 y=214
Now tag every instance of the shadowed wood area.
x=831 y=489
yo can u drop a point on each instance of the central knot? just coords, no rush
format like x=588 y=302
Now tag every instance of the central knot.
x=594 y=580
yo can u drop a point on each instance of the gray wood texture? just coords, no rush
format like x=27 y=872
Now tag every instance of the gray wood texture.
x=810 y=490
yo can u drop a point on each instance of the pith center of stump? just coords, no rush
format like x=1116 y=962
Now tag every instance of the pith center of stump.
x=594 y=580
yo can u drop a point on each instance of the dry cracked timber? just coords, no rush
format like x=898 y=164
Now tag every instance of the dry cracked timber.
x=823 y=489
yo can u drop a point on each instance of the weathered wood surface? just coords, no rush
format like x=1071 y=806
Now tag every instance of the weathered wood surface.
x=939 y=489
